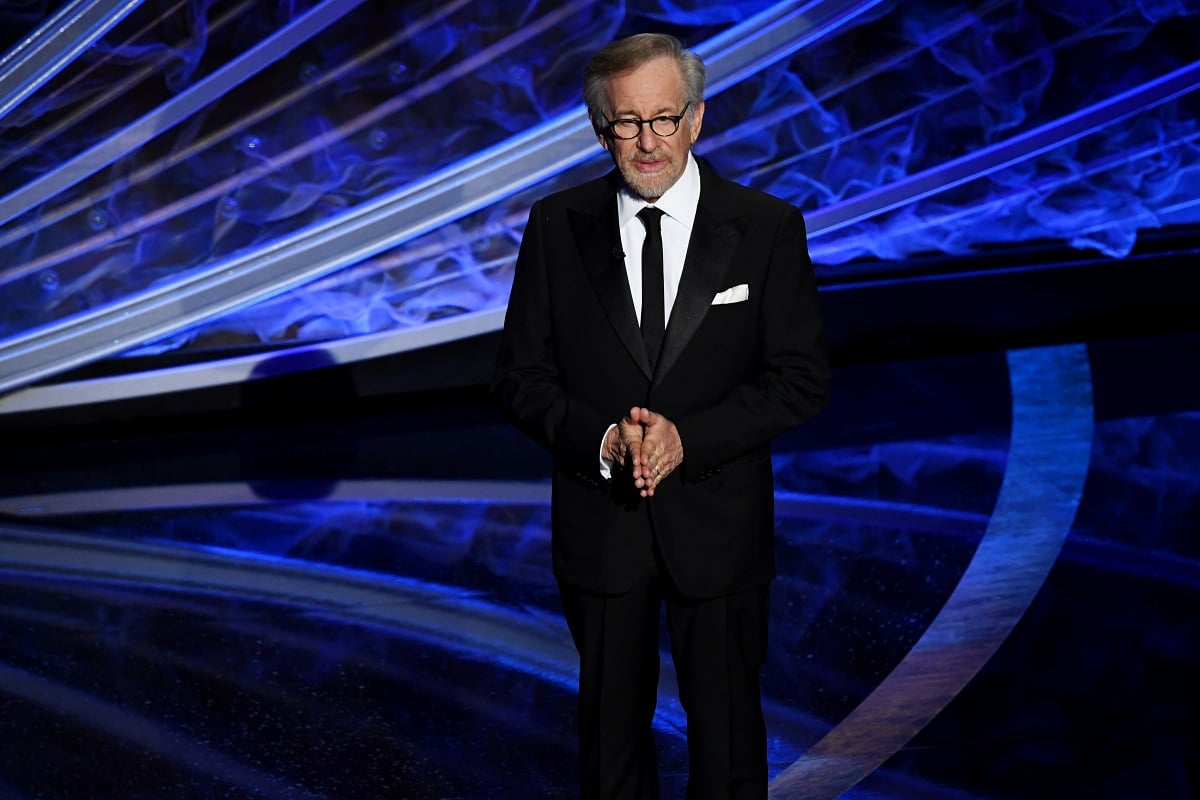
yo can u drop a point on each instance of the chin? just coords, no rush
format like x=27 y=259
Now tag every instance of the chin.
x=649 y=186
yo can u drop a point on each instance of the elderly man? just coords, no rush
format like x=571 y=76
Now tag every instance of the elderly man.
x=663 y=327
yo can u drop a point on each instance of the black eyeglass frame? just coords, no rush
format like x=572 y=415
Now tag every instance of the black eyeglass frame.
x=674 y=119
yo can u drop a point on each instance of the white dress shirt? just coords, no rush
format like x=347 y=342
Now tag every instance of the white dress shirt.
x=679 y=213
x=678 y=205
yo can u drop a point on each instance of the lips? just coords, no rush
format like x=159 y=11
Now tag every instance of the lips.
x=649 y=164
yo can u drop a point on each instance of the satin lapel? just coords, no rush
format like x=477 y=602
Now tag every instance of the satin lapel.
x=599 y=243
x=710 y=253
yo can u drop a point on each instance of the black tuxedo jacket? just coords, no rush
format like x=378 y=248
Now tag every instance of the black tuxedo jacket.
x=743 y=360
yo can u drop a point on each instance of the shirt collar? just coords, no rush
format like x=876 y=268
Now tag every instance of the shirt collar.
x=679 y=202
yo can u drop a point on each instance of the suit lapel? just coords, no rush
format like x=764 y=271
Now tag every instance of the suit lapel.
x=714 y=242
x=598 y=241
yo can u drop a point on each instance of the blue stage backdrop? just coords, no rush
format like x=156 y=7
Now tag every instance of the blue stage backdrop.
x=332 y=147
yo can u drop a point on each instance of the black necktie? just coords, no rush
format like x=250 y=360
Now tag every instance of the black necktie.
x=654 y=318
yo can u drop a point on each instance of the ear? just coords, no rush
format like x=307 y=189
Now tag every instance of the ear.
x=697 y=120
x=599 y=131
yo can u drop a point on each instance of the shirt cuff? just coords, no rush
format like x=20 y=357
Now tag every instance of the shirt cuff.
x=606 y=465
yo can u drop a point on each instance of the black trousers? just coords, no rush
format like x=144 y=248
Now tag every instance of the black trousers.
x=718 y=647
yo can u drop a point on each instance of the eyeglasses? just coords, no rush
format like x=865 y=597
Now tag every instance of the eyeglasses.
x=631 y=128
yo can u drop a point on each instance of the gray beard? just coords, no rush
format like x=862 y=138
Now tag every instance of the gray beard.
x=649 y=189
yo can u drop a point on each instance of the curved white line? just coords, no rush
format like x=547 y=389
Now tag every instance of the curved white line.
x=1049 y=454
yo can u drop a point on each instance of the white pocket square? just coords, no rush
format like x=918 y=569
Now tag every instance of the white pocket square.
x=734 y=294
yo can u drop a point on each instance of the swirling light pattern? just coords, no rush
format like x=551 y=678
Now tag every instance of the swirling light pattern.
x=367 y=104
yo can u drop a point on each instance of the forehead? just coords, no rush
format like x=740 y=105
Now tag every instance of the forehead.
x=655 y=87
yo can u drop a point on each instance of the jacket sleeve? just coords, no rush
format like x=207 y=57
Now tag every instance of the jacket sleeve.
x=527 y=384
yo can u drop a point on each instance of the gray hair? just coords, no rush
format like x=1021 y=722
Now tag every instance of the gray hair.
x=626 y=55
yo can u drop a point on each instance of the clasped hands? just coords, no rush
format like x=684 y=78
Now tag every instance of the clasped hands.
x=648 y=444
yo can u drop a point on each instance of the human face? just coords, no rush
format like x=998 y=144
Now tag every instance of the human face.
x=650 y=164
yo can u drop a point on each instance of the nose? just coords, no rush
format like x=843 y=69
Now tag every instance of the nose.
x=647 y=139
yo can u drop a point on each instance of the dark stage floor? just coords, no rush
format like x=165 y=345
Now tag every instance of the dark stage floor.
x=989 y=575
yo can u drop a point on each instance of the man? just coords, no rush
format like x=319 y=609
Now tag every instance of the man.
x=663 y=488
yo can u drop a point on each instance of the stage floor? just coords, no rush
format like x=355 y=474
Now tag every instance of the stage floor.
x=989 y=575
